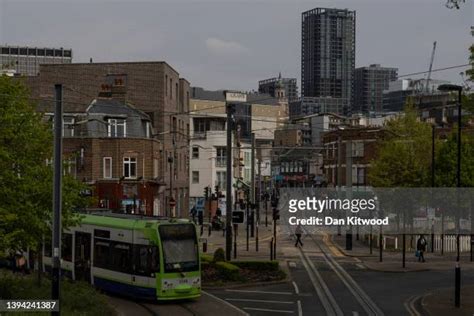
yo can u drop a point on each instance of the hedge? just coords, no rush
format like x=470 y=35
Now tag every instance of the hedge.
x=257 y=265
x=228 y=271
x=206 y=258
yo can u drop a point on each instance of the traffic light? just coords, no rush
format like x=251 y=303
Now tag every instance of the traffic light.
x=206 y=193
x=276 y=214
x=216 y=188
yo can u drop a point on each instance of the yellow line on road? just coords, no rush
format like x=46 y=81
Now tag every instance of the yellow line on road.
x=335 y=251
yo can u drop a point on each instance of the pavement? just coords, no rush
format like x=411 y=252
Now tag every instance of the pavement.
x=265 y=234
x=435 y=302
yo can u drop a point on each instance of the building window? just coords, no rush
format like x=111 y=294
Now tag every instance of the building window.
x=195 y=152
x=171 y=88
x=117 y=128
x=166 y=85
x=155 y=167
x=107 y=168
x=130 y=167
x=68 y=127
x=221 y=179
x=358 y=175
x=195 y=176
x=357 y=149
x=221 y=155
x=147 y=129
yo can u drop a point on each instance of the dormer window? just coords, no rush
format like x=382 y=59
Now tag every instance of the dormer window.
x=117 y=127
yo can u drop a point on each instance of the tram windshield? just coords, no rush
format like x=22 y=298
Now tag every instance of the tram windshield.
x=180 y=248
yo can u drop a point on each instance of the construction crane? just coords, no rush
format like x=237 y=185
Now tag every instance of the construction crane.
x=427 y=84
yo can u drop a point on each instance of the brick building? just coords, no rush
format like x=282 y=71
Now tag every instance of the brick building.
x=354 y=147
x=111 y=147
x=153 y=87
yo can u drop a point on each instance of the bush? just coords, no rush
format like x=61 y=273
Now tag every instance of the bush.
x=77 y=298
x=228 y=271
x=206 y=258
x=257 y=265
x=219 y=255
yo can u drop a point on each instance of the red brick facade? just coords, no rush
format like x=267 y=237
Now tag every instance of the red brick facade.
x=153 y=87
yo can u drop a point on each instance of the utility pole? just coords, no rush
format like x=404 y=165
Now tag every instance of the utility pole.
x=349 y=188
x=252 y=189
x=259 y=197
x=228 y=237
x=57 y=196
x=339 y=174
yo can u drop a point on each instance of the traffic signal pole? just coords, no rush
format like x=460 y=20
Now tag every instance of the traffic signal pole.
x=252 y=190
x=228 y=239
x=58 y=130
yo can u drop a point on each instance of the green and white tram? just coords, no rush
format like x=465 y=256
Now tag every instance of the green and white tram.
x=143 y=257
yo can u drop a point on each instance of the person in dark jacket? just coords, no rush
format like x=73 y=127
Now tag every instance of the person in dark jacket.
x=421 y=248
x=298 y=233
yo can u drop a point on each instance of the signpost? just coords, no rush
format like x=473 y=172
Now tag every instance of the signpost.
x=230 y=98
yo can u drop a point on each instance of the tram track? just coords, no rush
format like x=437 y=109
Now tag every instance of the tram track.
x=327 y=299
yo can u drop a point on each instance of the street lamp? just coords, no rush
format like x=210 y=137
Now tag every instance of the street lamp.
x=452 y=87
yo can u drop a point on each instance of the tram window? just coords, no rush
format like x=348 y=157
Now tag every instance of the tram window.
x=121 y=255
x=101 y=253
x=147 y=260
x=66 y=247
x=101 y=233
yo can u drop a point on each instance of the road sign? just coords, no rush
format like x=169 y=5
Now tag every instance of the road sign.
x=172 y=202
x=231 y=96
x=237 y=217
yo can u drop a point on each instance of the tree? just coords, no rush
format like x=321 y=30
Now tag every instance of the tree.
x=25 y=177
x=446 y=162
x=454 y=4
x=404 y=155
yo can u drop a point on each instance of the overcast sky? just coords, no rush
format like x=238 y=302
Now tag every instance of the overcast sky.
x=231 y=44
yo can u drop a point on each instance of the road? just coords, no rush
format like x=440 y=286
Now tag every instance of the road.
x=326 y=283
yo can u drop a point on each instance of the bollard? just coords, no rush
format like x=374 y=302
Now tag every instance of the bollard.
x=210 y=229
x=202 y=230
x=204 y=246
x=348 y=240
x=271 y=249
x=457 y=285
x=404 y=250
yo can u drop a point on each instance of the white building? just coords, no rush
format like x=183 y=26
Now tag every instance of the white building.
x=208 y=132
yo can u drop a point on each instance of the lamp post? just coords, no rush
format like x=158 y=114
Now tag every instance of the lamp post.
x=457 y=282
x=452 y=87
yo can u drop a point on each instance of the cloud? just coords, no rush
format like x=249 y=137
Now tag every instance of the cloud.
x=225 y=48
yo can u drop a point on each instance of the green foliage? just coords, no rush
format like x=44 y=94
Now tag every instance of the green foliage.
x=77 y=298
x=219 y=255
x=228 y=271
x=25 y=179
x=263 y=266
x=404 y=155
x=470 y=72
x=206 y=258
x=446 y=161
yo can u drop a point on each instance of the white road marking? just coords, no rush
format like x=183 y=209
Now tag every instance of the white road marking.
x=300 y=308
x=268 y=310
x=227 y=303
x=258 y=301
x=262 y=292
x=297 y=290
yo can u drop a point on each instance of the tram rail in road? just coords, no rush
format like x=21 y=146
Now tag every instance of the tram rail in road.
x=327 y=299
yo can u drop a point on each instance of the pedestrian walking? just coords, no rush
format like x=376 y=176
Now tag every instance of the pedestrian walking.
x=193 y=213
x=298 y=233
x=421 y=248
